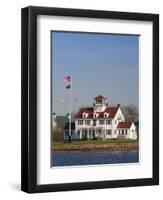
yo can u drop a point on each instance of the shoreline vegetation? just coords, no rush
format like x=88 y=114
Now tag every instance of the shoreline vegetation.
x=95 y=145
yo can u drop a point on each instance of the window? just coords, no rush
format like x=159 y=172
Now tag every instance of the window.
x=108 y=121
x=66 y=133
x=80 y=122
x=78 y=133
x=84 y=134
x=119 y=118
x=122 y=132
x=85 y=115
x=95 y=115
x=108 y=132
x=90 y=133
x=87 y=122
x=99 y=101
x=101 y=122
x=126 y=131
x=94 y=122
x=106 y=115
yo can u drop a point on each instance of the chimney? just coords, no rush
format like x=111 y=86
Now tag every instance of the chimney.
x=118 y=105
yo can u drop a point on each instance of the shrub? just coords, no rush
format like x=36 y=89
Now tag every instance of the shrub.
x=57 y=135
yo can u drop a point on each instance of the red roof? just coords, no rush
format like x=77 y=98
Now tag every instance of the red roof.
x=124 y=125
x=111 y=110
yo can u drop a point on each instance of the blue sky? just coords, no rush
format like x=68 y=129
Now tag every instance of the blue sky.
x=104 y=64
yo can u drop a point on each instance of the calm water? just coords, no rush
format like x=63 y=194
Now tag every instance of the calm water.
x=93 y=158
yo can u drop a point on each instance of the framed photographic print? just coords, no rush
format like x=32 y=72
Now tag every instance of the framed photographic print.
x=90 y=99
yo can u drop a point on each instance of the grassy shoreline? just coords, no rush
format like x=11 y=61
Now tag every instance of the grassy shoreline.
x=96 y=145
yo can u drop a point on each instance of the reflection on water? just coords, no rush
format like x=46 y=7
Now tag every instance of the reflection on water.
x=93 y=158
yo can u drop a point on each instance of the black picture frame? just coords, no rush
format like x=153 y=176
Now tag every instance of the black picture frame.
x=29 y=99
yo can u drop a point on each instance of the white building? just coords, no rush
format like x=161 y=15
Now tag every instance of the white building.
x=101 y=121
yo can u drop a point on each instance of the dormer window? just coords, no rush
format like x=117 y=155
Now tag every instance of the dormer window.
x=106 y=115
x=85 y=115
x=95 y=115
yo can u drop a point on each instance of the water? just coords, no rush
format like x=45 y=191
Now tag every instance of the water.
x=93 y=158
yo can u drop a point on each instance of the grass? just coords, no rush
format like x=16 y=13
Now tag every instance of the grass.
x=98 y=141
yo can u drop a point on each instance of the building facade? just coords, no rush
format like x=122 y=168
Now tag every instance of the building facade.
x=101 y=121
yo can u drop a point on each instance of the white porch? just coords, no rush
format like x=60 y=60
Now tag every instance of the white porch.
x=93 y=133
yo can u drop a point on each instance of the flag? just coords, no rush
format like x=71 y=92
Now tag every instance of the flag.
x=67 y=79
x=68 y=86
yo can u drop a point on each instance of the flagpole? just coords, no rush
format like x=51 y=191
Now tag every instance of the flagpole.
x=70 y=111
x=68 y=81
